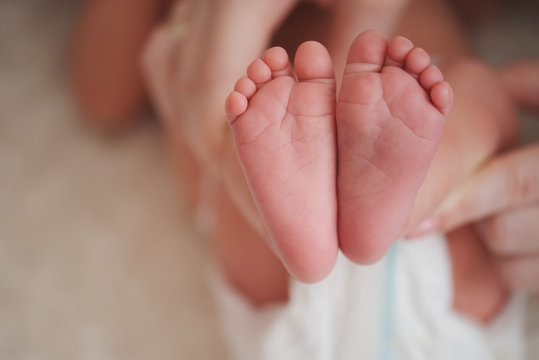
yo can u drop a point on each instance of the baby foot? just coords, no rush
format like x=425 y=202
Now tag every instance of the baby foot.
x=284 y=133
x=390 y=114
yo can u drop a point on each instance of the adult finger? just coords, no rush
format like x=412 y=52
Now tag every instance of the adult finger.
x=514 y=232
x=521 y=80
x=506 y=182
x=521 y=273
x=158 y=64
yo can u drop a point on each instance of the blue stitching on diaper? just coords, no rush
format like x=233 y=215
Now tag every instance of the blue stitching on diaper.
x=388 y=306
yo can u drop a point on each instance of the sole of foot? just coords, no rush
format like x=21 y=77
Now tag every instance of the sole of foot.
x=390 y=115
x=283 y=124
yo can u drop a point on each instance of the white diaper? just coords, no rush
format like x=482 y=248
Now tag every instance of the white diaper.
x=399 y=308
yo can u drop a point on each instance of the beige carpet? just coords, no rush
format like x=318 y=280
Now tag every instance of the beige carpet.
x=96 y=261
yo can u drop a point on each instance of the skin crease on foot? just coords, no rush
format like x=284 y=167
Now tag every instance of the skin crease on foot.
x=390 y=114
x=284 y=133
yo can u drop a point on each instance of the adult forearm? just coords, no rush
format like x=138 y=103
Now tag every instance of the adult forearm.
x=104 y=57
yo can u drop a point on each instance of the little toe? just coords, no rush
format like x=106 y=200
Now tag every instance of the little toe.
x=236 y=104
x=430 y=77
x=398 y=49
x=313 y=62
x=246 y=87
x=277 y=60
x=442 y=96
x=259 y=72
x=417 y=61
x=367 y=52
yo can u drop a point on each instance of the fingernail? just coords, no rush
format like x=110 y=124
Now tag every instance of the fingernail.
x=425 y=227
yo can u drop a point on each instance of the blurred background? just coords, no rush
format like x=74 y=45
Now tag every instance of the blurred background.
x=97 y=257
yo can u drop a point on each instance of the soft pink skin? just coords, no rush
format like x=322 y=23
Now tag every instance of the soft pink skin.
x=285 y=137
x=390 y=114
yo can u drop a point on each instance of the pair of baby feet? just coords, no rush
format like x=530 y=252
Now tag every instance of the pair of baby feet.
x=330 y=174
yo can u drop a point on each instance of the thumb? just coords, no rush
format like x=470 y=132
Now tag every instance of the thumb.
x=505 y=182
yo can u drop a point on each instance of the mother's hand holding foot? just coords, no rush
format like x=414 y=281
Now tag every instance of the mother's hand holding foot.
x=502 y=199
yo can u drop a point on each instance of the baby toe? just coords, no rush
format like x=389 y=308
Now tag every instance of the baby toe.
x=246 y=87
x=367 y=52
x=417 y=61
x=430 y=77
x=398 y=49
x=259 y=72
x=277 y=60
x=236 y=104
x=313 y=62
x=442 y=97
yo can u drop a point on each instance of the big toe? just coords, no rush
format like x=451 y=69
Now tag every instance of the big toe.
x=312 y=62
x=367 y=52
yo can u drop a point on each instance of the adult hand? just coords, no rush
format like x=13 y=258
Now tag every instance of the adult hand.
x=502 y=199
